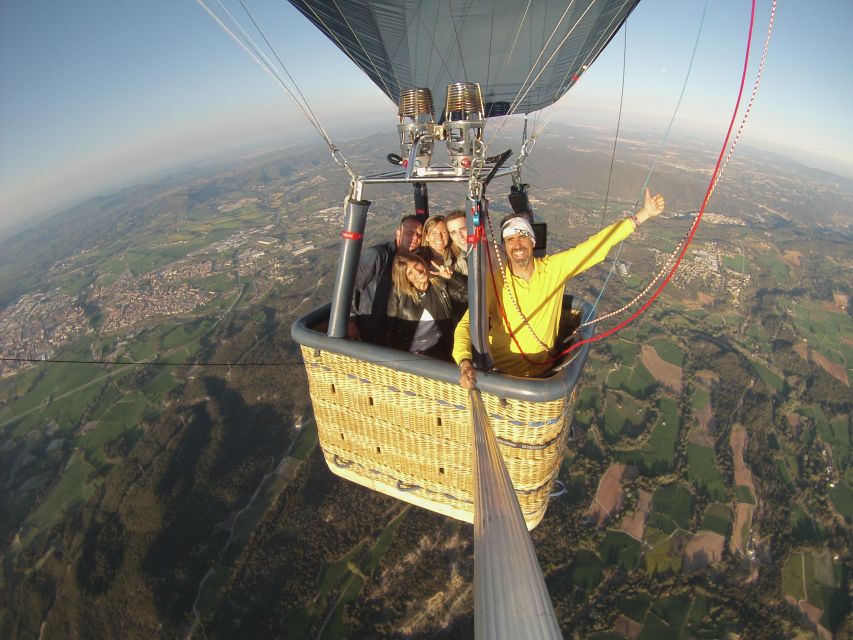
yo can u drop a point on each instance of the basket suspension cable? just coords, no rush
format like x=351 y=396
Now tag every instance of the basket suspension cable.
x=688 y=235
x=331 y=33
x=615 y=137
x=263 y=62
x=685 y=242
x=661 y=146
x=705 y=200
x=522 y=92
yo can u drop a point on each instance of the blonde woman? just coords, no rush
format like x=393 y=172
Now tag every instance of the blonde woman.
x=435 y=246
x=420 y=308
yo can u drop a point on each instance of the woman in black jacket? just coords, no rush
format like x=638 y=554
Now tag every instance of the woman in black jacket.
x=420 y=308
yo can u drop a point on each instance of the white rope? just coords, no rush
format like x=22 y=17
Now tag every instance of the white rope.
x=751 y=98
x=257 y=56
x=747 y=111
x=369 y=58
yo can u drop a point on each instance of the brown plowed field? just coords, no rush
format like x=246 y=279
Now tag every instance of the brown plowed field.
x=792 y=258
x=609 y=497
x=667 y=374
x=834 y=369
x=627 y=628
x=739 y=440
x=743 y=516
x=703 y=549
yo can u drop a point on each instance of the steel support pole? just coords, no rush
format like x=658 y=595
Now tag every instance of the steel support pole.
x=421 y=201
x=352 y=237
x=478 y=274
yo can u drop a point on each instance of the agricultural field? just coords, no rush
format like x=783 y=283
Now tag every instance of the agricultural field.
x=635 y=380
x=620 y=549
x=624 y=416
x=703 y=473
x=804 y=527
x=656 y=454
x=816 y=583
x=717 y=518
x=771 y=379
x=672 y=506
x=585 y=570
x=668 y=351
x=73 y=488
x=665 y=553
x=842 y=498
x=835 y=432
x=623 y=351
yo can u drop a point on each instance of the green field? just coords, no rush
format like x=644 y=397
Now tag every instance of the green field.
x=619 y=549
x=668 y=351
x=71 y=490
x=703 y=473
x=816 y=578
x=635 y=607
x=842 y=498
x=623 y=351
x=773 y=268
x=672 y=506
x=805 y=528
x=623 y=416
x=835 y=431
x=717 y=518
x=814 y=319
x=306 y=440
x=588 y=398
x=586 y=569
x=663 y=556
x=701 y=398
x=635 y=380
x=673 y=610
x=772 y=380
x=744 y=494
x=735 y=263
x=656 y=455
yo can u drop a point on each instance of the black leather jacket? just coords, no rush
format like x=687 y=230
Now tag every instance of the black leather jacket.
x=404 y=314
x=372 y=288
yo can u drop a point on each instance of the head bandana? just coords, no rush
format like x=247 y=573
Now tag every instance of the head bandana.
x=518 y=226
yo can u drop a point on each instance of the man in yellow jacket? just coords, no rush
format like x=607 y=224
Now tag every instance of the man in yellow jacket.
x=531 y=295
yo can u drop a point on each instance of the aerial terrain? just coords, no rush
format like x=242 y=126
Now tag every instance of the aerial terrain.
x=159 y=468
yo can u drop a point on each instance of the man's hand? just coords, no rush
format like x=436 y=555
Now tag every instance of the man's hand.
x=467 y=375
x=653 y=206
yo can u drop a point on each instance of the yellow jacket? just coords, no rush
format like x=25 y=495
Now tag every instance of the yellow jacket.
x=540 y=300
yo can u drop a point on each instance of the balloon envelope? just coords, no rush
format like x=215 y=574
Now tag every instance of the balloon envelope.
x=525 y=55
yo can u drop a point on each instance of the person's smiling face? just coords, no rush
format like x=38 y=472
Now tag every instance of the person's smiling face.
x=519 y=248
x=417 y=274
x=458 y=233
x=438 y=237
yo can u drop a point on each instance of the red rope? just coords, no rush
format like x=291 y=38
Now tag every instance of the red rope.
x=686 y=245
x=695 y=226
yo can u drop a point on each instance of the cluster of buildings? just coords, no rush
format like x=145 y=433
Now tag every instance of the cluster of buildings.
x=38 y=324
x=704 y=267
x=156 y=299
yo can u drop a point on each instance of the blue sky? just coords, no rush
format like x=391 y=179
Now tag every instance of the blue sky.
x=97 y=94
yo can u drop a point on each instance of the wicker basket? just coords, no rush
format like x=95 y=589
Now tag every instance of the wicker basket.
x=410 y=437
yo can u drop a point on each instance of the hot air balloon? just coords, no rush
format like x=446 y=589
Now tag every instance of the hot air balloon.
x=400 y=423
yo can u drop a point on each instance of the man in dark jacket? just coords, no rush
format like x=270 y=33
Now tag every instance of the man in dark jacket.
x=373 y=280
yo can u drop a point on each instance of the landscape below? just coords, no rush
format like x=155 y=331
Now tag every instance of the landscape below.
x=160 y=476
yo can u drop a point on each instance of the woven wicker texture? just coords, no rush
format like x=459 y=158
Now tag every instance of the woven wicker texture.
x=410 y=437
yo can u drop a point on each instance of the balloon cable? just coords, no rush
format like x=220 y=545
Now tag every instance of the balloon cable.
x=714 y=178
